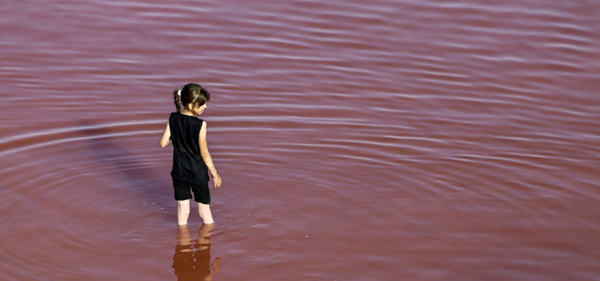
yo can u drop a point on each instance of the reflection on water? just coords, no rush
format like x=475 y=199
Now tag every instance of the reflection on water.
x=192 y=262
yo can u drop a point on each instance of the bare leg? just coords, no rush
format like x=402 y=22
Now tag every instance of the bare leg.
x=203 y=241
x=205 y=214
x=183 y=238
x=183 y=211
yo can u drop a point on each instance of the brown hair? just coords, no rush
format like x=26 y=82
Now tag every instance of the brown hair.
x=191 y=93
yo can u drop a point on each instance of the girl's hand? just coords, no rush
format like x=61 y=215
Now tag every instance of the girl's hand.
x=217 y=181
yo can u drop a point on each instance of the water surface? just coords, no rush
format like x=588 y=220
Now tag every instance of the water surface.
x=395 y=140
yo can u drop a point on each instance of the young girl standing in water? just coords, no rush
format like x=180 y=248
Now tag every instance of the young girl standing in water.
x=191 y=159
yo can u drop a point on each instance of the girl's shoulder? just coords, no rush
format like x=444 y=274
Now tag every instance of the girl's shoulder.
x=180 y=117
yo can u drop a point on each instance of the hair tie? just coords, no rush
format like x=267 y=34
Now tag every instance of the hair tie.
x=179 y=92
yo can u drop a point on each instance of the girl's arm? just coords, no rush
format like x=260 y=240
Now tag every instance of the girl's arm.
x=204 y=151
x=164 y=141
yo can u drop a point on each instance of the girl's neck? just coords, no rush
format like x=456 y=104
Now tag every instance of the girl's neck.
x=184 y=112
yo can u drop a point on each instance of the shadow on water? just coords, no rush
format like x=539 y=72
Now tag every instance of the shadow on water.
x=192 y=262
x=109 y=151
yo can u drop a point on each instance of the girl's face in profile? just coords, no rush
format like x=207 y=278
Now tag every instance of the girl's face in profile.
x=199 y=110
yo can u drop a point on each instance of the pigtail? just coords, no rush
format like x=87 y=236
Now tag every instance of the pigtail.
x=176 y=98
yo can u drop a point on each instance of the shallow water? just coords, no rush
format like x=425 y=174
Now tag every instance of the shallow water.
x=400 y=140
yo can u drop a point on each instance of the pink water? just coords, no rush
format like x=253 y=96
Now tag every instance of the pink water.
x=388 y=140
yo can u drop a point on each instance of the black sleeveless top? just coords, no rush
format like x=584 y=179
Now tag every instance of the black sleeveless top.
x=188 y=165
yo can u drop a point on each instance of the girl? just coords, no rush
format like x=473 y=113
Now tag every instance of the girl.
x=191 y=159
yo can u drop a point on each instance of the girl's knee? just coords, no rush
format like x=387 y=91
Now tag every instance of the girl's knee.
x=183 y=210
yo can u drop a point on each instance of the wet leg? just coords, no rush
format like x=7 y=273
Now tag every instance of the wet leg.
x=183 y=211
x=183 y=238
x=205 y=214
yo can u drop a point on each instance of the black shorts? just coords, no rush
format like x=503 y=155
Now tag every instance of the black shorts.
x=182 y=191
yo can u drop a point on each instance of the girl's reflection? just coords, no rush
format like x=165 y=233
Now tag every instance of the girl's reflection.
x=190 y=264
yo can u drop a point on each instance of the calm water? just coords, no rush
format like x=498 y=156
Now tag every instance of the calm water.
x=395 y=140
